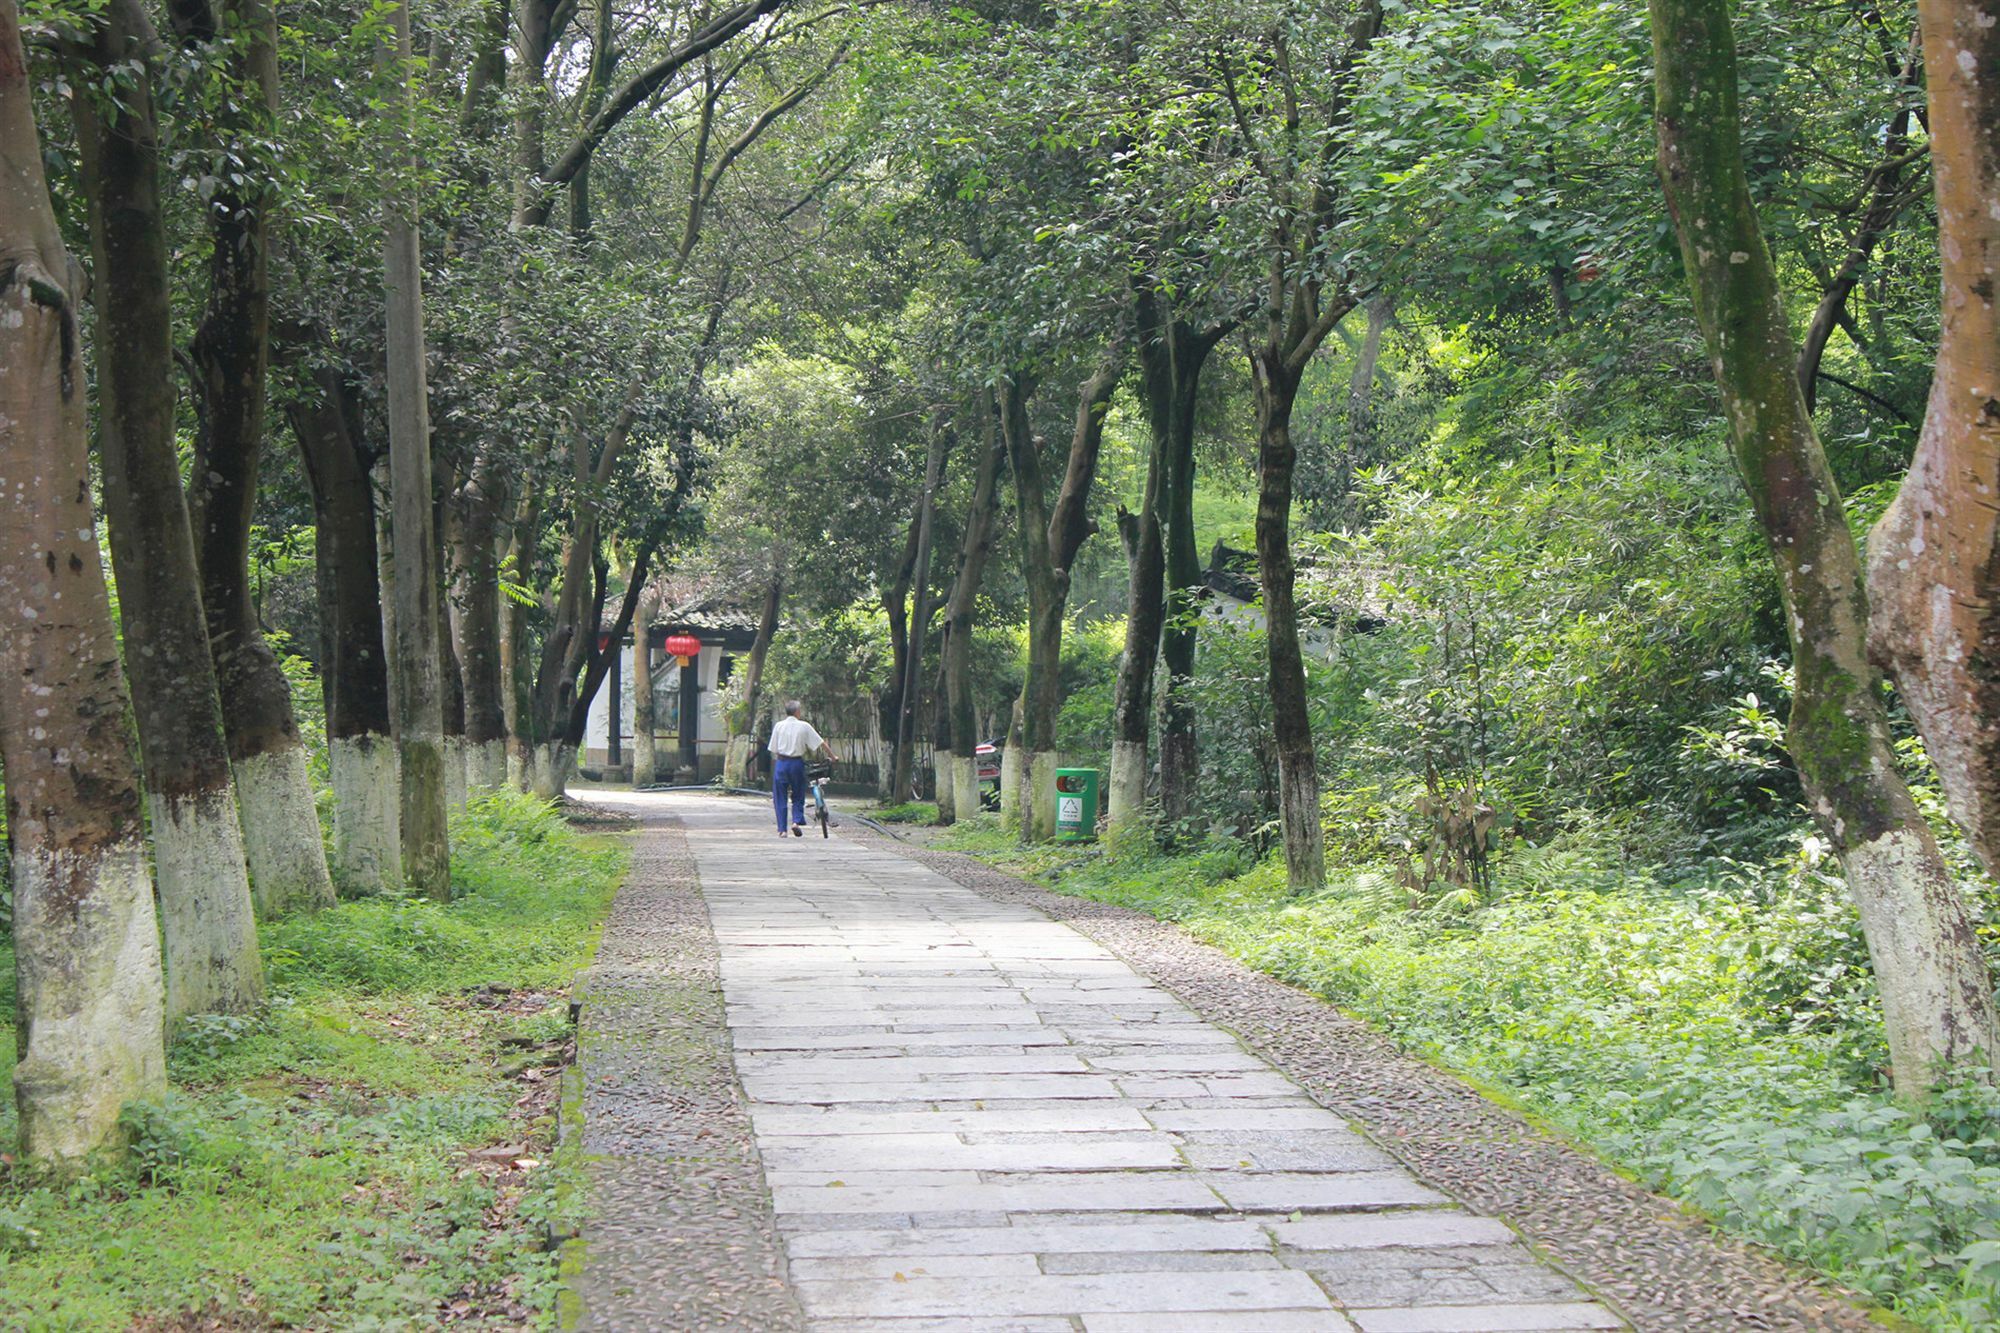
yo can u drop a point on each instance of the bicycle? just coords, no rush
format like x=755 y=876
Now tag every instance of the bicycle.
x=817 y=776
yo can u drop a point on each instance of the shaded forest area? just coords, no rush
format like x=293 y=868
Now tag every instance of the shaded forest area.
x=1502 y=489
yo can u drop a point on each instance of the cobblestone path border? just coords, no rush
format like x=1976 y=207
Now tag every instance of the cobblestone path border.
x=678 y=1230
x=1662 y=1266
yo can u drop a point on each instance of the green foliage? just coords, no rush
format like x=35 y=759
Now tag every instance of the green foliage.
x=1090 y=653
x=309 y=1167
x=1716 y=1032
x=512 y=858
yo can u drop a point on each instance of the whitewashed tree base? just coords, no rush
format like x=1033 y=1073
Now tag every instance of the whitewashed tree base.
x=457 y=755
x=91 y=997
x=485 y=766
x=1011 y=764
x=553 y=765
x=367 y=804
x=1905 y=909
x=965 y=785
x=943 y=776
x=1040 y=816
x=281 y=837
x=736 y=762
x=1125 y=815
x=206 y=917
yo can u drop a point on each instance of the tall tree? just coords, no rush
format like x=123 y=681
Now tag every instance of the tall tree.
x=1934 y=559
x=1295 y=166
x=1145 y=615
x=231 y=354
x=975 y=548
x=326 y=416
x=204 y=888
x=1050 y=537
x=644 y=722
x=86 y=944
x=1937 y=991
x=473 y=538
x=419 y=703
x=1172 y=353
x=743 y=745
x=920 y=612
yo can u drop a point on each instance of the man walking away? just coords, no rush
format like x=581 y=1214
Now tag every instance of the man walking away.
x=791 y=741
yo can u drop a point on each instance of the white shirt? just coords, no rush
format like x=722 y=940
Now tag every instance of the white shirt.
x=794 y=738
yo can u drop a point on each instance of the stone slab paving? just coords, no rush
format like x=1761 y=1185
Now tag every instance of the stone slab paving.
x=972 y=1117
x=1663 y=1267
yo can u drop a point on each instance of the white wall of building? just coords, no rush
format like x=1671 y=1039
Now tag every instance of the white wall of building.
x=666 y=694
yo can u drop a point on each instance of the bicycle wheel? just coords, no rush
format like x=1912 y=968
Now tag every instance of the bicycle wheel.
x=820 y=802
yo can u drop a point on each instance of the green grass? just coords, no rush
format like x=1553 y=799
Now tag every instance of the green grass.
x=1716 y=1037
x=311 y=1164
x=909 y=812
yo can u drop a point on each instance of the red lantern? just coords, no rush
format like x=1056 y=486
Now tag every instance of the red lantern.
x=684 y=646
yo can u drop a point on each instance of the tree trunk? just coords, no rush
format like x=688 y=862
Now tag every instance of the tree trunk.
x=419 y=705
x=281 y=833
x=1132 y=711
x=569 y=644
x=753 y=671
x=205 y=908
x=1934 y=559
x=354 y=670
x=474 y=535
x=1041 y=692
x=598 y=663
x=974 y=551
x=87 y=951
x=1360 y=445
x=1050 y=540
x=644 y=773
x=1180 y=758
x=920 y=611
x=942 y=772
x=517 y=668
x=896 y=607
x=944 y=760
x=451 y=687
x=1277 y=385
x=1937 y=993
x=1171 y=357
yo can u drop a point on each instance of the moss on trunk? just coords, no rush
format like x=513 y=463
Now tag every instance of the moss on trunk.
x=1937 y=993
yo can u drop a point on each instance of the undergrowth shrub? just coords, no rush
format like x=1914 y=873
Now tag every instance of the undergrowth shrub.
x=513 y=859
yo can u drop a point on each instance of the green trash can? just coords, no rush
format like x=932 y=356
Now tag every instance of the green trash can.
x=1076 y=804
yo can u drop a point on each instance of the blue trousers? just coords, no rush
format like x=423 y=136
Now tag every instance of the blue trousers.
x=788 y=775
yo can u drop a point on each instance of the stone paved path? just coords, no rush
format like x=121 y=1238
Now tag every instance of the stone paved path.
x=972 y=1117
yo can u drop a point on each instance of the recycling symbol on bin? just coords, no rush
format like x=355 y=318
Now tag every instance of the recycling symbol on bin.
x=1069 y=809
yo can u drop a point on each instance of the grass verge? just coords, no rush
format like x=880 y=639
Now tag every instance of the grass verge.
x=909 y=812
x=1715 y=1035
x=373 y=1151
